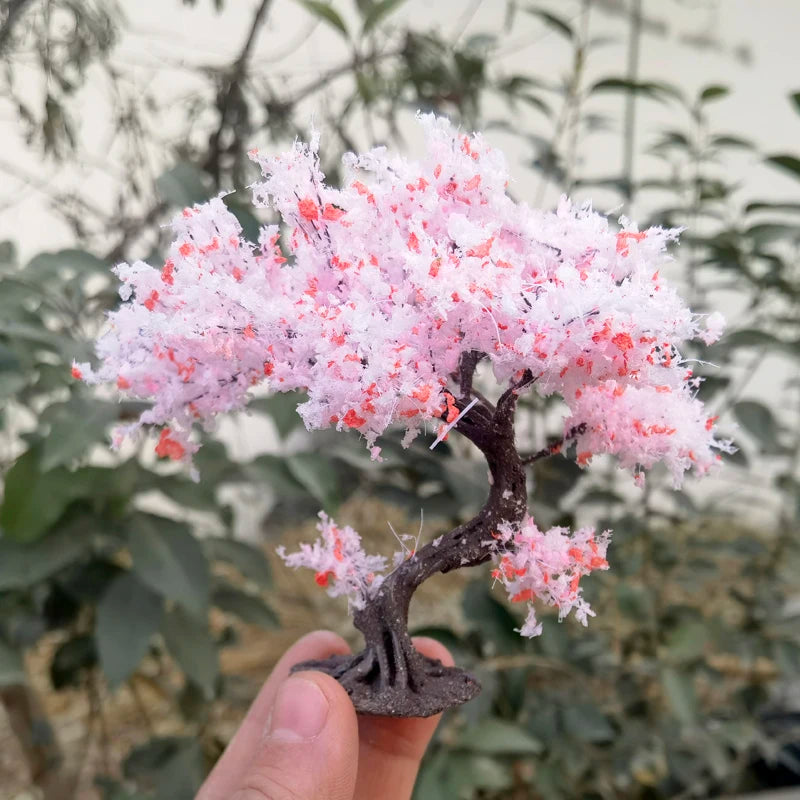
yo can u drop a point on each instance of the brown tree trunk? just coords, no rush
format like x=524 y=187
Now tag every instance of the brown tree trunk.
x=389 y=677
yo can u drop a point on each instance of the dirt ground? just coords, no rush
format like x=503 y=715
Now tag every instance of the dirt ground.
x=95 y=743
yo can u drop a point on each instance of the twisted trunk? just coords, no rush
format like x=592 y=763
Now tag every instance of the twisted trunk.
x=389 y=677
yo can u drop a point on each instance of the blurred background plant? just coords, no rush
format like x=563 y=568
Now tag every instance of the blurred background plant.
x=131 y=598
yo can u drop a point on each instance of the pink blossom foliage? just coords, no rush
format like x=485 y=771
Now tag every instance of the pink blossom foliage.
x=379 y=289
x=547 y=566
x=390 y=280
x=340 y=563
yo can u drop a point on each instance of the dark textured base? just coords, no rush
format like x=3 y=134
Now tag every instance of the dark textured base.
x=425 y=688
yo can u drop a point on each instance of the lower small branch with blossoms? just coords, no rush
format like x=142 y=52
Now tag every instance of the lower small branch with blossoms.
x=557 y=446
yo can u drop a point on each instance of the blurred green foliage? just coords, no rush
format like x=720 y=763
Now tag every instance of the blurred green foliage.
x=664 y=695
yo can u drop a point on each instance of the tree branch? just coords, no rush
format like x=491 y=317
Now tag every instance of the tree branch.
x=231 y=88
x=132 y=230
x=556 y=446
x=466 y=372
x=504 y=416
x=336 y=72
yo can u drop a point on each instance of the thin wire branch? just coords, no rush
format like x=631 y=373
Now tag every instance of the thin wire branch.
x=508 y=400
x=556 y=447
x=632 y=75
x=336 y=72
x=466 y=372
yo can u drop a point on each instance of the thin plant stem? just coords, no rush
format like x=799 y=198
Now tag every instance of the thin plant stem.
x=629 y=129
x=581 y=53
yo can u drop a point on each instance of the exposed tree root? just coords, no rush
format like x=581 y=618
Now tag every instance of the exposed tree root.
x=396 y=682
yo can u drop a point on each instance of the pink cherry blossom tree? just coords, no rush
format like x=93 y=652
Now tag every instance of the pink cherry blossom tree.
x=396 y=288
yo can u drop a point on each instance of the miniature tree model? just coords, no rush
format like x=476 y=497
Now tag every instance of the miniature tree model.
x=397 y=287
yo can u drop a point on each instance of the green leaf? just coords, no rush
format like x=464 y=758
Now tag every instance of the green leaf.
x=113 y=790
x=763 y=205
x=485 y=614
x=452 y=774
x=553 y=21
x=765 y=233
x=498 y=737
x=8 y=252
x=687 y=642
x=74 y=426
x=172 y=765
x=759 y=422
x=326 y=13
x=795 y=98
x=51 y=265
x=71 y=660
x=788 y=163
x=240 y=208
x=87 y=580
x=247 y=607
x=635 y=602
x=189 y=642
x=318 y=475
x=11 y=384
x=468 y=482
x=673 y=138
x=186 y=492
x=248 y=559
x=282 y=408
x=170 y=561
x=714 y=92
x=33 y=499
x=215 y=465
x=603 y=496
x=679 y=691
x=9 y=361
x=481 y=41
x=488 y=774
x=751 y=337
x=274 y=471
x=585 y=722
x=64 y=346
x=128 y=615
x=26 y=564
x=553 y=478
x=183 y=185
x=378 y=12
x=732 y=142
x=12 y=668
x=652 y=89
x=786 y=654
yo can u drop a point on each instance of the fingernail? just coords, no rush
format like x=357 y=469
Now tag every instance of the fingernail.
x=300 y=711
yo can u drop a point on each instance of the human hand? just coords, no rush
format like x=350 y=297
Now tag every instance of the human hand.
x=301 y=739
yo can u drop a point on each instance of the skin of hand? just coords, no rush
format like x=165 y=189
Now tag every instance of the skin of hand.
x=301 y=738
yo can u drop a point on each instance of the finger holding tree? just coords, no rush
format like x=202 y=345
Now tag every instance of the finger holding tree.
x=301 y=739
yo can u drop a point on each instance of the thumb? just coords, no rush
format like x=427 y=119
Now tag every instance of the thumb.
x=310 y=748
